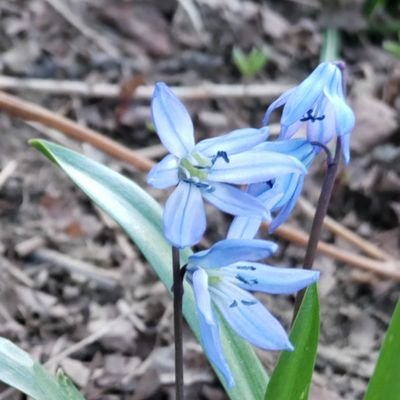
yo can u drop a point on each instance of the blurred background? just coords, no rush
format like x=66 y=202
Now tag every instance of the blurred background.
x=71 y=277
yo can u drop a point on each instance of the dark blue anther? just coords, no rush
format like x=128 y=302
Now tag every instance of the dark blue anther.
x=201 y=185
x=310 y=117
x=248 y=302
x=234 y=304
x=220 y=154
x=270 y=183
x=246 y=281
x=246 y=267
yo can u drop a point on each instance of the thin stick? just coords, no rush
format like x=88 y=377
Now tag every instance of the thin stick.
x=321 y=210
x=386 y=269
x=178 y=293
x=32 y=112
x=267 y=91
x=340 y=230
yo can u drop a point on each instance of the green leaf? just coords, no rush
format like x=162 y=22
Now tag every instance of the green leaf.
x=371 y=5
x=385 y=381
x=68 y=387
x=292 y=375
x=20 y=371
x=249 y=64
x=392 y=47
x=140 y=216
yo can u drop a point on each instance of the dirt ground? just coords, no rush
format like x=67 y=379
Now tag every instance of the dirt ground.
x=70 y=277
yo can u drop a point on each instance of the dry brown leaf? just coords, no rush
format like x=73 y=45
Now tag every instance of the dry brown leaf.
x=375 y=122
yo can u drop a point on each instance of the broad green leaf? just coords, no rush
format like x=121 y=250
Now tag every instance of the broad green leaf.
x=140 y=216
x=20 y=371
x=385 y=381
x=292 y=375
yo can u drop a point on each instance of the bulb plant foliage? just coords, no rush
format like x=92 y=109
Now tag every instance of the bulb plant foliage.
x=224 y=276
x=254 y=178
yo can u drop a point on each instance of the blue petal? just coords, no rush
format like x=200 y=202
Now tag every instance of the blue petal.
x=201 y=294
x=234 y=201
x=228 y=251
x=323 y=131
x=271 y=196
x=244 y=227
x=249 y=318
x=172 y=121
x=233 y=142
x=288 y=131
x=209 y=332
x=211 y=342
x=287 y=185
x=247 y=227
x=308 y=93
x=289 y=205
x=282 y=99
x=184 y=216
x=264 y=278
x=299 y=148
x=165 y=173
x=344 y=115
x=345 y=141
x=254 y=166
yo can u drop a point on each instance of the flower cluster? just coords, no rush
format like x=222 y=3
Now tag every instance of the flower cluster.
x=244 y=174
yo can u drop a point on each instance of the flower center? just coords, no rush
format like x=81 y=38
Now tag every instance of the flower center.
x=214 y=280
x=194 y=168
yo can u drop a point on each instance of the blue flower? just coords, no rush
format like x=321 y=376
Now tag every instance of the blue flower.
x=207 y=170
x=223 y=278
x=278 y=195
x=319 y=102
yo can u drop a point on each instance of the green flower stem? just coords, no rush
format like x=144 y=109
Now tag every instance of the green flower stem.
x=178 y=294
x=320 y=212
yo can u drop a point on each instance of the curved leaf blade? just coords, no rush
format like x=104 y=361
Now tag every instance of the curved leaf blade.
x=292 y=375
x=20 y=371
x=385 y=381
x=140 y=216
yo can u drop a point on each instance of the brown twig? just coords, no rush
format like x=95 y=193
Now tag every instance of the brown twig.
x=31 y=112
x=340 y=230
x=387 y=269
x=267 y=91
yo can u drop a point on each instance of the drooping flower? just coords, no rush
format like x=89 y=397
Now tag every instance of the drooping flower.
x=223 y=278
x=278 y=195
x=207 y=169
x=319 y=102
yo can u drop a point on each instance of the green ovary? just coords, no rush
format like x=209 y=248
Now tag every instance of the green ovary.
x=214 y=280
x=198 y=171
